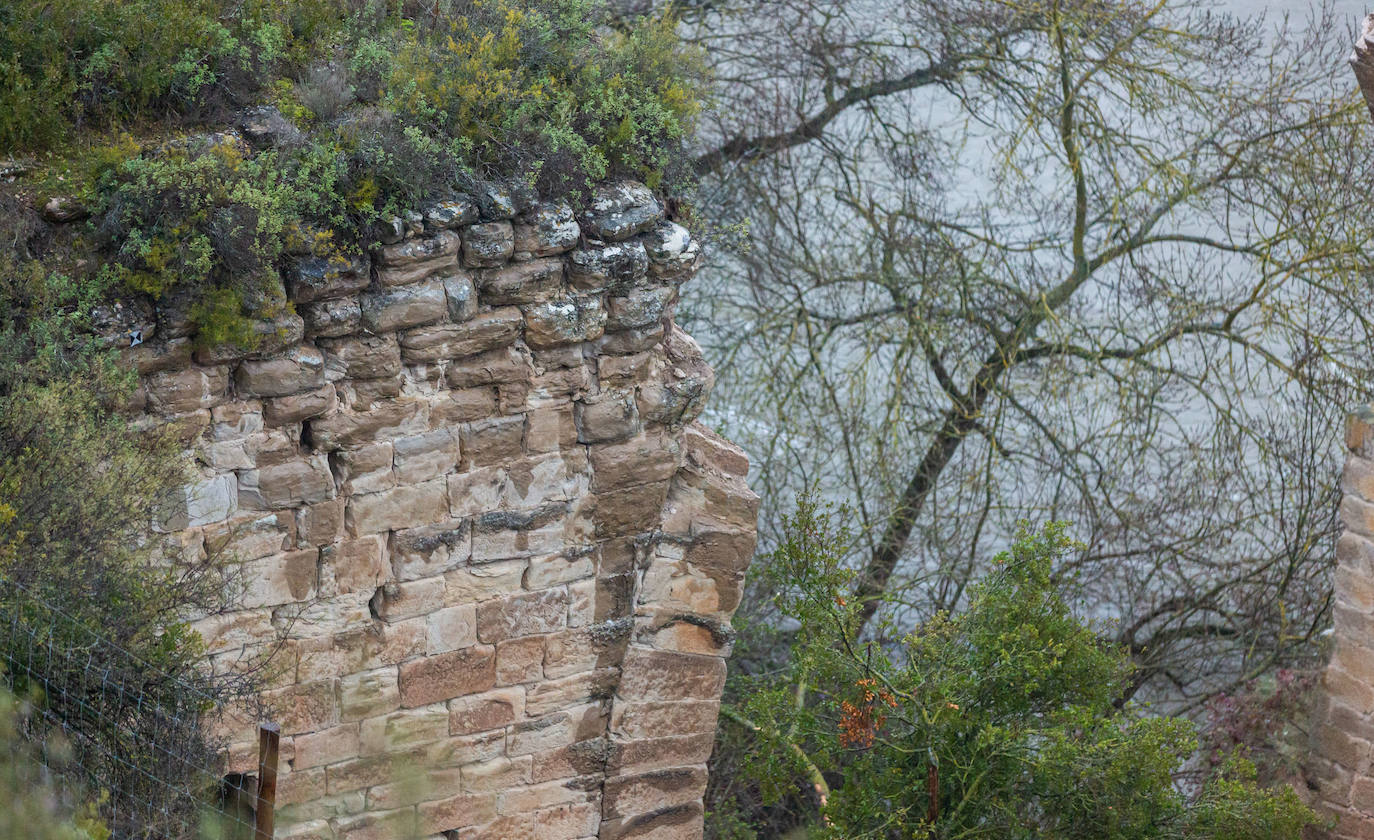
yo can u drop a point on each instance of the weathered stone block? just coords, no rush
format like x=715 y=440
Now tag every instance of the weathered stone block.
x=570 y=320
x=462 y=297
x=452 y=628
x=365 y=469
x=419 y=458
x=362 y=357
x=522 y=615
x=400 y=507
x=484 y=712
x=528 y=282
x=430 y=550
x=487 y=331
x=368 y=694
x=616 y=266
x=332 y=318
x=393 y=417
x=320 y=278
x=444 y=676
x=355 y=565
x=519 y=660
x=187 y=389
x=282 y=411
x=279 y=579
x=287 y=484
x=399 y=307
x=653 y=791
x=545 y=230
x=301 y=369
x=416 y=259
x=639 y=307
x=661 y=675
x=614 y=416
x=488 y=244
x=620 y=210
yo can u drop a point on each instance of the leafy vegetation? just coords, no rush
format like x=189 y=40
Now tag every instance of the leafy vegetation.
x=1000 y=721
x=390 y=105
x=93 y=626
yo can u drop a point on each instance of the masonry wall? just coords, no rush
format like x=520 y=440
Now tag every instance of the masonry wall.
x=1342 y=768
x=491 y=555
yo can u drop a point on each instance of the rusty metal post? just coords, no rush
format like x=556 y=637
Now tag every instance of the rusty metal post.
x=269 y=740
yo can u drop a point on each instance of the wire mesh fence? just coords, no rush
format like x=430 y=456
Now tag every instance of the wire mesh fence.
x=114 y=732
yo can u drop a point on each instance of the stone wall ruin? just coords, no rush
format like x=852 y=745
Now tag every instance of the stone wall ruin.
x=476 y=523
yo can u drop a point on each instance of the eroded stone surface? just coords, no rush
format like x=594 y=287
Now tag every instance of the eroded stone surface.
x=477 y=505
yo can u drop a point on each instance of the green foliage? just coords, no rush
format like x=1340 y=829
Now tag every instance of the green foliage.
x=396 y=107
x=998 y=722
x=78 y=490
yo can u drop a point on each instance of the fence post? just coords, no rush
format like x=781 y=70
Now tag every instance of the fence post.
x=269 y=739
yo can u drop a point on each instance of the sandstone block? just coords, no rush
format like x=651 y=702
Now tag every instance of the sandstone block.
x=307 y=707
x=452 y=628
x=444 y=676
x=321 y=278
x=487 y=331
x=376 y=825
x=614 y=416
x=547 y=229
x=368 y=694
x=483 y=712
x=416 y=259
x=354 y=565
x=670 y=247
x=570 y=320
x=449 y=214
x=626 y=342
x=502 y=535
x=528 y=282
x=430 y=550
x=328 y=746
x=666 y=718
x=497 y=774
x=287 y=484
x=455 y=812
x=488 y=244
x=651 y=458
x=546 y=795
x=571 y=652
x=301 y=369
x=250 y=536
x=320 y=523
x=201 y=502
x=639 y=307
x=654 y=791
x=494 y=441
x=550 y=429
x=555 y=569
x=281 y=411
x=362 y=357
x=630 y=510
x=153 y=356
x=279 y=579
x=399 y=307
x=522 y=615
x=519 y=660
x=462 y=297
x=504 y=365
x=620 y=210
x=424 y=456
x=332 y=318
x=365 y=469
x=386 y=419
x=681 y=822
x=187 y=389
x=409 y=599
x=401 y=730
x=617 y=266
x=661 y=675
x=465 y=585
x=556 y=730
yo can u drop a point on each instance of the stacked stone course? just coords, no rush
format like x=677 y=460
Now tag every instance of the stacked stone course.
x=490 y=553
x=1342 y=767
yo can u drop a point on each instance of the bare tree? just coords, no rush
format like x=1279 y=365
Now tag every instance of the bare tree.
x=1094 y=260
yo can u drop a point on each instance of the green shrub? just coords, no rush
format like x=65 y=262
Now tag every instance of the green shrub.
x=398 y=106
x=998 y=722
x=93 y=626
